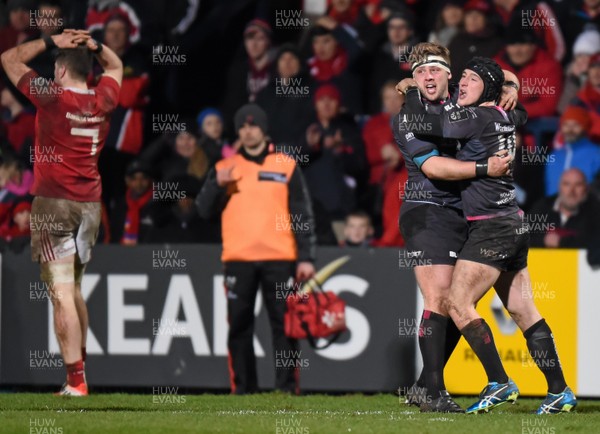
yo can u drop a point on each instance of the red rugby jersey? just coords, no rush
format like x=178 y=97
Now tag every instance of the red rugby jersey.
x=71 y=126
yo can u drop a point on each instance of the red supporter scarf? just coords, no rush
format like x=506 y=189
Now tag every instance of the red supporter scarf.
x=325 y=70
x=132 y=219
x=590 y=96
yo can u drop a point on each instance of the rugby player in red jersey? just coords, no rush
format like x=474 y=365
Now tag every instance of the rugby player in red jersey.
x=71 y=125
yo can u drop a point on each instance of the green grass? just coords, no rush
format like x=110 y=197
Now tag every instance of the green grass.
x=273 y=413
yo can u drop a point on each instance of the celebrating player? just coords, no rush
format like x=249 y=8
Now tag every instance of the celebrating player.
x=71 y=125
x=431 y=217
x=495 y=253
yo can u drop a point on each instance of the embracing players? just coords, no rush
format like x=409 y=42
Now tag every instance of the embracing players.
x=71 y=125
x=431 y=218
x=495 y=253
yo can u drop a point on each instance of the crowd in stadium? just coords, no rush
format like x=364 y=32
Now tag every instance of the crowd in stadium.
x=327 y=84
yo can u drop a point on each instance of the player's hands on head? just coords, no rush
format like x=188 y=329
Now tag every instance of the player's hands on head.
x=508 y=98
x=304 y=271
x=92 y=44
x=227 y=176
x=71 y=38
x=499 y=164
x=402 y=86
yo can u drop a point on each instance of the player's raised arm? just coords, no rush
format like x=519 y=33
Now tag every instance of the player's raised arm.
x=14 y=61
x=108 y=60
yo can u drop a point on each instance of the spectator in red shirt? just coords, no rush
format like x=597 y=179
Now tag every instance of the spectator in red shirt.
x=589 y=97
x=15 y=182
x=336 y=50
x=18 y=119
x=387 y=171
x=125 y=135
x=100 y=11
x=19 y=224
x=540 y=75
x=18 y=29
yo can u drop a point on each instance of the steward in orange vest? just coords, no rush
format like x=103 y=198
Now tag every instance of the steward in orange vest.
x=268 y=241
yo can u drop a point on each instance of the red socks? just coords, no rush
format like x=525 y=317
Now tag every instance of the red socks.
x=75 y=373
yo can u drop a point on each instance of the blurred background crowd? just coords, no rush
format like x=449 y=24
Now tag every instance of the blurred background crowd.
x=324 y=71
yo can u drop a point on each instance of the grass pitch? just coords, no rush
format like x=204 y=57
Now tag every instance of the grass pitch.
x=272 y=413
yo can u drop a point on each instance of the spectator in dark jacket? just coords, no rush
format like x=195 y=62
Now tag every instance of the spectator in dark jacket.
x=391 y=60
x=337 y=163
x=250 y=72
x=49 y=21
x=287 y=99
x=366 y=18
x=569 y=219
x=210 y=128
x=536 y=16
x=539 y=73
x=336 y=51
x=172 y=156
x=134 y=215
x=478 y=38
x=448 y=23
x=18 y=119
x=182 y=224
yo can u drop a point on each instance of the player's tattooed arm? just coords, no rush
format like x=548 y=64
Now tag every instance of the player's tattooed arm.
x=14 y=61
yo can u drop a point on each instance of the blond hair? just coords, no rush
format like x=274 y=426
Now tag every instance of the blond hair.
x=420 y=52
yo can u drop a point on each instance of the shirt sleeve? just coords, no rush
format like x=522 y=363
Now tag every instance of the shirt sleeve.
x=415 y=148
x=39 y=90
x=108 y=93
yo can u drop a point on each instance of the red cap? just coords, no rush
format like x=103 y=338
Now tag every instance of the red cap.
x=328 y=90
x=22 y=206
x=578 y=114
x=477 y=5
x=258 y=24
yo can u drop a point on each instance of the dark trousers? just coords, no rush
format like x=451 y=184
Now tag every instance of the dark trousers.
x=242 y=280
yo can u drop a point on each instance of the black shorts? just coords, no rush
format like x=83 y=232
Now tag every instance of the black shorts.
x=434 y=234
x=501 y=242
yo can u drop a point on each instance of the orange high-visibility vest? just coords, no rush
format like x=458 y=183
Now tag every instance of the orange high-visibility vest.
x=256 y=222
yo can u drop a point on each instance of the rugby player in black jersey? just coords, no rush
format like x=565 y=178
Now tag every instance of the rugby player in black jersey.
x=495 y=253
